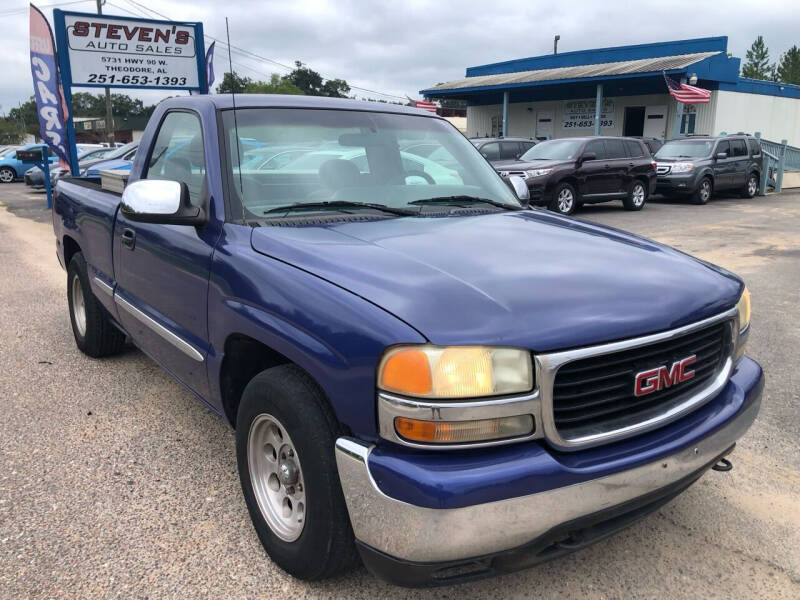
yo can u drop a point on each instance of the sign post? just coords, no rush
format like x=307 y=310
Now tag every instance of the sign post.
x=126 y=52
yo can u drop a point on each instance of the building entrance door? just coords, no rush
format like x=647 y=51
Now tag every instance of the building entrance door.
x=633 y=125
x=544 y=125
x=655 y=122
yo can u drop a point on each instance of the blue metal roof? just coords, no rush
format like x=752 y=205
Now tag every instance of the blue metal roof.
x=625 y=69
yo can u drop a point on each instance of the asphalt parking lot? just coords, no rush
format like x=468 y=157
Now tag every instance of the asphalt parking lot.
x=116 y=483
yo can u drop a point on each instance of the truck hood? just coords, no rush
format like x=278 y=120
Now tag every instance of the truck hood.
x=526 y=278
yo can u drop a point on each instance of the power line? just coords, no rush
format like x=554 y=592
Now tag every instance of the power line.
x=19 y=11
x=253 y=54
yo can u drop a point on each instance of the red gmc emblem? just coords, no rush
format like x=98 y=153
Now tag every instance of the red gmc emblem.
x=653 y=380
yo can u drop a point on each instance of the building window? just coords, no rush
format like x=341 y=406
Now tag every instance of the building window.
x=497 y=126
x=688 y=119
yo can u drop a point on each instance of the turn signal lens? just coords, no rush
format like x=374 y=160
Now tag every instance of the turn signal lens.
x=455 y=372
x=743 y=306
x=461 y=432
x=407 y=371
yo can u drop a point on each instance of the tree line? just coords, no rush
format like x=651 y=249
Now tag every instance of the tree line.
x=758 y=64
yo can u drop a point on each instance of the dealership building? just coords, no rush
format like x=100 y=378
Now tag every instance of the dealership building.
x=622 y=91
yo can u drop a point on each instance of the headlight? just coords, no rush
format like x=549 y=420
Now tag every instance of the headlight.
x=743 y=321
x=537 y=172
x=455 y=372
x=682 y=167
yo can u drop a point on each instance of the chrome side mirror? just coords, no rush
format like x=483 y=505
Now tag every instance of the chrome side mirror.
x=520 y=188
x=160 y=201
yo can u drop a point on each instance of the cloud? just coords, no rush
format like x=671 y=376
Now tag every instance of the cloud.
x=402 y=47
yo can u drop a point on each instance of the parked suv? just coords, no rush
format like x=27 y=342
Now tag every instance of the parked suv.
x=502 y=150
x=562 y=174
x=699 y=166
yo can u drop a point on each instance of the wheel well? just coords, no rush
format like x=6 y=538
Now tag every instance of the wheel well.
x=70 y=248
x=245 y=358
x=570 y=180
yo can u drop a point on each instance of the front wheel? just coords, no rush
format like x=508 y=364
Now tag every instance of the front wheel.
x=637 y=196
x=285 y=436
x=564 y=199
x=750 y=186
x=7 y=175
x=703 y=192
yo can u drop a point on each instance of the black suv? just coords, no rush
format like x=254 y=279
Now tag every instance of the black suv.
x=502 y=150
x=564 y=173
x=699 y=166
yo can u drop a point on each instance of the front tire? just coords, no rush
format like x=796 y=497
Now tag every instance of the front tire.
x=565 y=199
x=285 y=436
x=7 y=175
x=95 y=334
x=703 y=192
x=751 y=186
x=637 y=196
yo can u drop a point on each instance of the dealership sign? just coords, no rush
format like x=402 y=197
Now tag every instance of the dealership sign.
x=123 y=52
x=579 y=114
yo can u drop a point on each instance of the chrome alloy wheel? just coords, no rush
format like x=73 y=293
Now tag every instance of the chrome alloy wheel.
x=752 y=185
x=565 y=200
x=638 y=195
x=6 y=176
x=276 y=477
x=78 y=306
x=705 y=190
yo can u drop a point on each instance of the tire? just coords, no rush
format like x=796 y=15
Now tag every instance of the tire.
x=315 y=541
x=751 y=186
x=95 y=334
x=637 y=196
x=7 y=175
x=565 y=199
x=703 y=192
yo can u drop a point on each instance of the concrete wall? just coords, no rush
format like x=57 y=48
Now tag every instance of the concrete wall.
x=522 y=121
x=775 y=117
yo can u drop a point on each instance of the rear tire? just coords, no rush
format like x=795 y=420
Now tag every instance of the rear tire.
x=305 y=531
x=95 y=334
x=637 y=196
x=7 y=175
x=565 y=199
x=751 y=186
x=703 y=192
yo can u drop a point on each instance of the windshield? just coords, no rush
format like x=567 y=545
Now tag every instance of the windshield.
x=352 y=156
x=553 y=150
x=686 y=149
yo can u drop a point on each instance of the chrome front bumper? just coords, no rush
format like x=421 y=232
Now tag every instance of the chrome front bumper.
x=429 y=535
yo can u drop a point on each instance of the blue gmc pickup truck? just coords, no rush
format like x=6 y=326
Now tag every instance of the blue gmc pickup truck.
x=421 y=371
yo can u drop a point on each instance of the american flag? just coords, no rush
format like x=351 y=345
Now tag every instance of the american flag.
x=424 y=105
x=687 y=94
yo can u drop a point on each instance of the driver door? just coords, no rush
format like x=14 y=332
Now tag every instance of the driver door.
x=162 y=270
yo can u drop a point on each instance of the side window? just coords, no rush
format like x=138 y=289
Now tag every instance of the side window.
x=634 y=148
x=509 y=150
x=491 y=151
x=723 y=146
x=177 y=153
x=615 y=149
x=598 y=148
x=739 y=149
x=525 y=146
x=755 y=147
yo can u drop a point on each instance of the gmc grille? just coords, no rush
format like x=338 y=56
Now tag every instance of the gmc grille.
x=595 y=394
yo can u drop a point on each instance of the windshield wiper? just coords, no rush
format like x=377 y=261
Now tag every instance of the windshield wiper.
x=339 y=204
x=459 y=200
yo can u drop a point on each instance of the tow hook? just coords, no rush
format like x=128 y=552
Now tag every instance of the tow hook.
x=723 y=465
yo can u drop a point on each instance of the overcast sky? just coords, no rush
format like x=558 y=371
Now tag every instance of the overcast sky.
x=399 y=47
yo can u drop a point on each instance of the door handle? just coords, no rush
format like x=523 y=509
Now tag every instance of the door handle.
x=607 y=166
x=631 y=164
x=128 y=238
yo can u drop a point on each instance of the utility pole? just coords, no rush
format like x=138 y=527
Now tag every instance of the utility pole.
x=109 y=113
